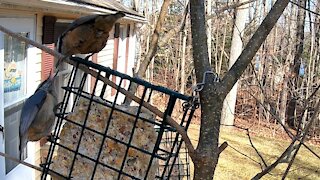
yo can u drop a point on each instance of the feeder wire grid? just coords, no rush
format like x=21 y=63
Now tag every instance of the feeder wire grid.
x=95 y=137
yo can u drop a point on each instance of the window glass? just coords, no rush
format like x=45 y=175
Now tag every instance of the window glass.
x=15 y=53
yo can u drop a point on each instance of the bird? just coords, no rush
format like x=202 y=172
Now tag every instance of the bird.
x=87 y=35
x=38 y=113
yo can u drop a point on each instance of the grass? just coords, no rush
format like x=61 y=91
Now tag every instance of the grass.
x=234 y=165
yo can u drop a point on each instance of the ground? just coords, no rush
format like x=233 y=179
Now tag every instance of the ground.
x=240 y=161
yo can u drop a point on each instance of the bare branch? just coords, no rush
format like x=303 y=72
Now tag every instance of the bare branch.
x=314 y=153
x=243 y=154
x=175 y=30
x=304 y=135
x=255 y=149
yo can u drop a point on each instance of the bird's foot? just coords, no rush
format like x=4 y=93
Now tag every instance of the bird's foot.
x=51 y=138
x=44 y=164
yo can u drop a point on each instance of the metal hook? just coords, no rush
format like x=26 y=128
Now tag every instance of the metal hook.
x=199 y=86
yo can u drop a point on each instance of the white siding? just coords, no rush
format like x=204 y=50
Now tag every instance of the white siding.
x=132 y=49
x=105 y=56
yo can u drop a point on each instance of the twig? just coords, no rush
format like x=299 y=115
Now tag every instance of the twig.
x=305 y=132
x=52 y=174
x=255 y=149
x=273 y=115
x=131 y=96
x=223 y=146
x=306 y=9
x=244 y=155
x=314 y=153
x=276 y=116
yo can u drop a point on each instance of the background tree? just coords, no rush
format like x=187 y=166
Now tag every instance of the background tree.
x=236 y=48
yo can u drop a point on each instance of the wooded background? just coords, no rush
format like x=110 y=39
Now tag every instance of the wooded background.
x=279 y=88
x=282 y=75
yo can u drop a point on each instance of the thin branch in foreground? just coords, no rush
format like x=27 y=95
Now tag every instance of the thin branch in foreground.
x=255 y=149
x=251 y=143
x=243 y=154
x=312 y=151
x=131 y=96
x=276 y=116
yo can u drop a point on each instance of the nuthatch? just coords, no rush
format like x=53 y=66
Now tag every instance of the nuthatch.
x=38 y=113
x=88 y=34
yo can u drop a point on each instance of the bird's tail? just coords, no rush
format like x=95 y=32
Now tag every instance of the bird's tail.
x=22 y=147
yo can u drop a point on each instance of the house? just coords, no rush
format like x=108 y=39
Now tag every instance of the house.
x=23 y=67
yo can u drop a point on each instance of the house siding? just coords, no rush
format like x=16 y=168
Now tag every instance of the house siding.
x=105 y=58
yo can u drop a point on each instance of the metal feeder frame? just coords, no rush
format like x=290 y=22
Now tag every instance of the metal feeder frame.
x=171 y=158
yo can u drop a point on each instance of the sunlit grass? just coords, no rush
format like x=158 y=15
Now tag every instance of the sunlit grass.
x=234 y=165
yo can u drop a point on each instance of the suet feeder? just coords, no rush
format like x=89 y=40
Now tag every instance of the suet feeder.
x=95 y=137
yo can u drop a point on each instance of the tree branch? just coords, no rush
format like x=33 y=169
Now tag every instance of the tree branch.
x=253 y=45
x=255 y=149
x=152 y=48
x=172 y=32
x=304 y=132
x=273 y=165
x=227 y=7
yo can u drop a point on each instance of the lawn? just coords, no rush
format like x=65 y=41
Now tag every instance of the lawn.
x=240 y=161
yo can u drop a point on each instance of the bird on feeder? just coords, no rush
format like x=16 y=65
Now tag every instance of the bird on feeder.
x=38 y=113
x=87 y=35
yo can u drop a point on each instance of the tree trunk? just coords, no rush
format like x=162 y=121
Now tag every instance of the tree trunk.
x=207 y=149
x=297 y=62
x=213 y=93
x=236 y=48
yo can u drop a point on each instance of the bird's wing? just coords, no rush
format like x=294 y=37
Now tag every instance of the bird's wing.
x=76 y=23
x=30 y=110
x=82 y=20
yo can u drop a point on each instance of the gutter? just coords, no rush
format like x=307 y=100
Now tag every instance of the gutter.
x=98 y=9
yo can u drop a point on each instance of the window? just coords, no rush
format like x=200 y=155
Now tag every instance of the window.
x=15 y=55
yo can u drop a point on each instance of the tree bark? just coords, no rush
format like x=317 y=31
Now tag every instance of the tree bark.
x=236 y=48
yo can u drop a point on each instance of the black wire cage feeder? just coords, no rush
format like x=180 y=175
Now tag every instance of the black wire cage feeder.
x=95 y=137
